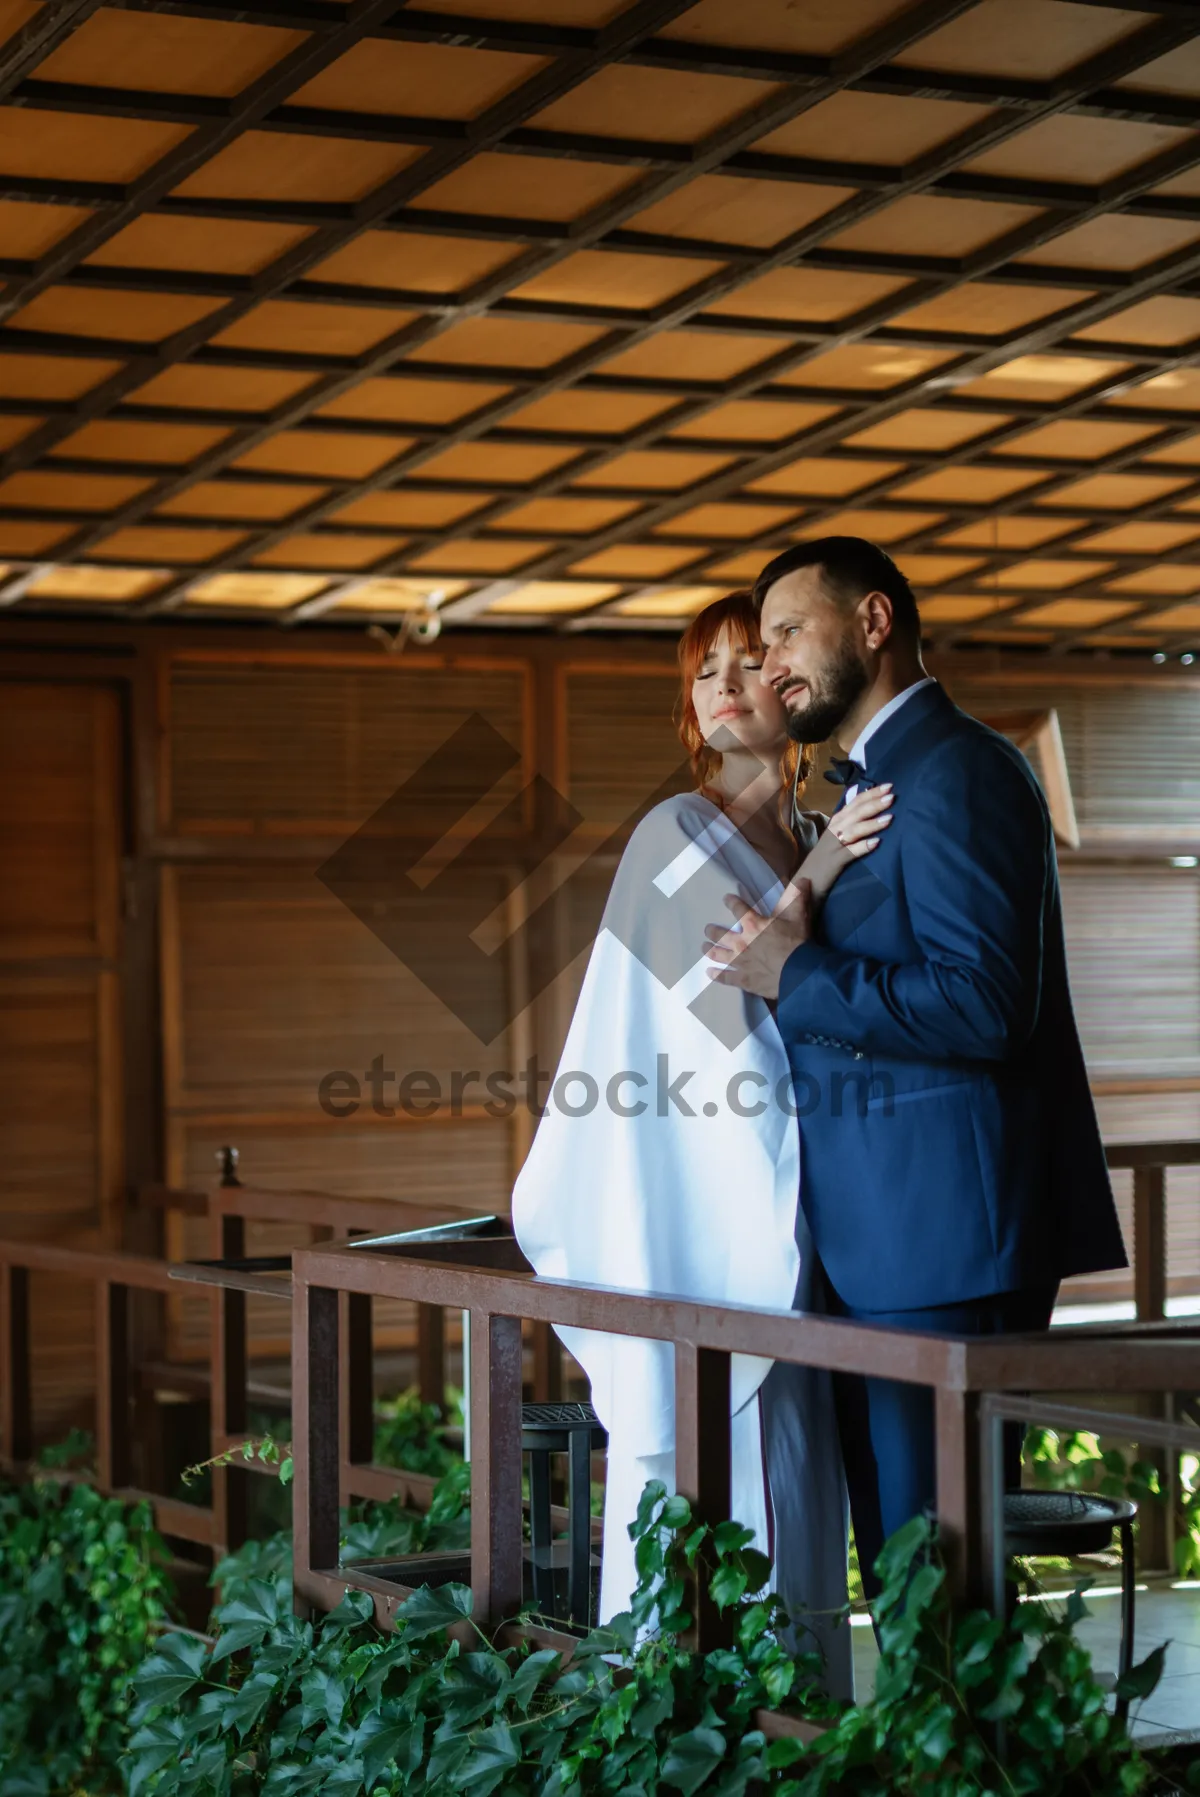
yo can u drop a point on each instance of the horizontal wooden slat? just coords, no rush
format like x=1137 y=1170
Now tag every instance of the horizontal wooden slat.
x=282 y=745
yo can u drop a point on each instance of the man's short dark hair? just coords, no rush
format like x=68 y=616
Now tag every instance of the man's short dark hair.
x=851 y=567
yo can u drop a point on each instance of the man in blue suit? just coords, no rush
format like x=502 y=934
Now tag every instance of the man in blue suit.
x=952 y=1169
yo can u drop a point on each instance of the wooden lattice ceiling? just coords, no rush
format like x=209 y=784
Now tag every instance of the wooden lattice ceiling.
x=564 y=312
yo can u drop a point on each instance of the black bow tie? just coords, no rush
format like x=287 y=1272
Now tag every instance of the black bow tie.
x=847 y=773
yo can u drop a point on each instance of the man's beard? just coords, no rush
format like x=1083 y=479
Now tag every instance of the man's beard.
x=842 y=680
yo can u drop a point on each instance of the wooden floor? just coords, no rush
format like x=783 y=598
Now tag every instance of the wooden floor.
x=1166 y=1611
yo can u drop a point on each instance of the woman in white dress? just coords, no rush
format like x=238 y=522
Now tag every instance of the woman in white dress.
x=668 y=1157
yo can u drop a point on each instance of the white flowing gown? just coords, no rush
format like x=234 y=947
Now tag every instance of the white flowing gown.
x=668 y=1161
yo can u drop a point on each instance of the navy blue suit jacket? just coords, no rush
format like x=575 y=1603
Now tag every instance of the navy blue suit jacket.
x=949 y=1144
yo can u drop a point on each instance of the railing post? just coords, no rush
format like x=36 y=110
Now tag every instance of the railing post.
x=431 y=1354
x=316 y=1451
x=228 y=1401
x=113 y=1386
x=702 y=1468
x=497 y=1555
x=358 y=1383
x=1150 y=1243
x=1150 y=1302
x=16 y=1377
x=959 y=1509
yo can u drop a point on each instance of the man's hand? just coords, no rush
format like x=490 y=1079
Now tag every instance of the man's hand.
x=752 y=955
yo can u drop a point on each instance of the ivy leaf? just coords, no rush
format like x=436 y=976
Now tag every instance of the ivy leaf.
x=653 y=1493
x=434 y=1607
x=935 y=1737
x=676 y=1512
x=450 y=1748
x=652 y=1711
x=1141 y=1680
x=236 y=1639
x=244 y=1709
x=173 y=1670
x=923 y=1589
x=355 y=1607
x=324 y=1697
x=778 y=1680
x=493 y=1752
x=727 y=1585
x=384 y=1743
x=757 y=1568
x=246 y=1619
x=729 y=1537
x=691 y=1757
x=529 y=1675
x=694 y=1542
x=150 y=1749
x=618 y=1635
x=1008 y=1701
x=894 y=1679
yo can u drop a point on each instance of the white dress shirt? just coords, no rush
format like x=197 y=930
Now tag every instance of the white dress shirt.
x=859 y=751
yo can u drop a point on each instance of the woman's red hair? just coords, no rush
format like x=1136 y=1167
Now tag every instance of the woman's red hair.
x=737 y=614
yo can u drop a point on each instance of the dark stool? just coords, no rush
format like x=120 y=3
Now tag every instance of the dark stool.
x=573 y=1430
x=1066 y=1523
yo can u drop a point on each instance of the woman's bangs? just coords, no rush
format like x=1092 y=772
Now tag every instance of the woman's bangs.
x=736 y=614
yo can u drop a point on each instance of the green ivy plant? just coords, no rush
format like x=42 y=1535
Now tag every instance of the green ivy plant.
x=1187 y=1543
x=283 y=1707
x=333 y=1708
x=1080 y=1461
x=972 y=1704
x=83 y=1592
x=368 y=1531
x=414 y=1435
x=263 y=1448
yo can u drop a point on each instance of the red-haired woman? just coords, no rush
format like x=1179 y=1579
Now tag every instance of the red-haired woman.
x=668 y=1157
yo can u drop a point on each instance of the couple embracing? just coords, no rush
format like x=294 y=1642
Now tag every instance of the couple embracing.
x=840 y=1065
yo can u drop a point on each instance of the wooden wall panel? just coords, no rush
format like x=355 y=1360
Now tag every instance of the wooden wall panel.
x=280 y=984
x=1133 y=752
x=62 y=1332
x=1133 y=944
x=275 y=744
x=271 y=982
x=618 y=741
x=59 y=803
x=60 y=1077
x=61 y=1172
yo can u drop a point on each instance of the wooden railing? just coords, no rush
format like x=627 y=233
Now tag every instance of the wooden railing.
x=1121 y=1359
x=113 y=1277
x=1149 y=1161
x=329 y=1217
x=231 y=1206
x=224 y=1380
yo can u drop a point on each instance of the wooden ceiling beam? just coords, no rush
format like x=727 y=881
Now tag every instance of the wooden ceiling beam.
x=570 y=71
x=51 y=25
x=614 y=41
x=900 y=79
x=1105 y=67
x=191 y=110
x=1070 y=206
